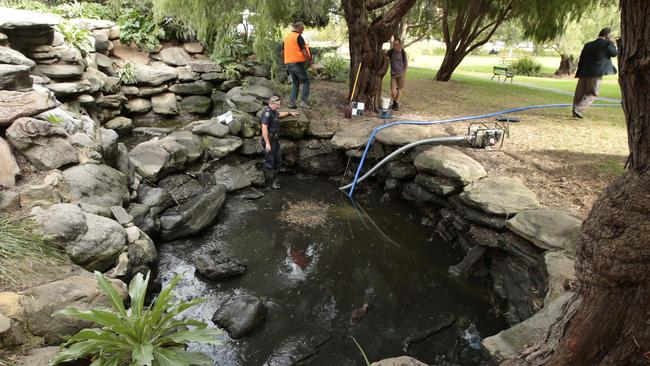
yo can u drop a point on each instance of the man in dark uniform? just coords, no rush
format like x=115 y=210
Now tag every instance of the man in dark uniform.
x=595 y=61
x=270 y=139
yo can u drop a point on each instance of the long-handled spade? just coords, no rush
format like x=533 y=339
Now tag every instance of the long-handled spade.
x=347 y=112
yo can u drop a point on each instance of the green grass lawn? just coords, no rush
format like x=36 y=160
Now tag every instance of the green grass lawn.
x=481 y=67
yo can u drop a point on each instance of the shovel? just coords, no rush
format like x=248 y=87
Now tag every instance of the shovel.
x=347 y=112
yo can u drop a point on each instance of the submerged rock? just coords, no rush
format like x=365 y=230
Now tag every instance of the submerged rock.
x=320 y=158
x=232 y=177
x=399 y=361
x=216 y=265
x=240 y=314
x=297 y=349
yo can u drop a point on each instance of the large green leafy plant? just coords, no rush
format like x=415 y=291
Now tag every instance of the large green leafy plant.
x=142 y=336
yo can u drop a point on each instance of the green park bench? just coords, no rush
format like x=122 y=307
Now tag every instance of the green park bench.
x=504 y=71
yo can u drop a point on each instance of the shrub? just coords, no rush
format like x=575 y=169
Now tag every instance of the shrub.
x=335 y=68
x=140 y=335
x=126 y=73
x=21 y=243
x=231 y=72
x=526 y=66
x=76 y=37
x=139 y=26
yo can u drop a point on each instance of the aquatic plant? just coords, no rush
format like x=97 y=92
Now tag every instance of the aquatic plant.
x=143 y=336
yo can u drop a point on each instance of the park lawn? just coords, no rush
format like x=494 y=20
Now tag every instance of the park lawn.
x=482 y=66
x=567 y=161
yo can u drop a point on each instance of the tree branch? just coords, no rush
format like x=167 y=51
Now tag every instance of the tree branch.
x=376 y=4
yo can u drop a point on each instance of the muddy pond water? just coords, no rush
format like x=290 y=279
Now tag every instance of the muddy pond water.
x=313 y=259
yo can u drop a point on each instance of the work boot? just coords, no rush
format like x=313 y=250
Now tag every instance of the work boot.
x=303 y=105
x=395 y=106
x=292 y=105
x=577 y=114
x=269 y=176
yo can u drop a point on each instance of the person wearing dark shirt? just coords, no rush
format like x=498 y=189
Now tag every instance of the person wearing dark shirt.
x=297 y=58
x=270 y=140
x=595 y=61
x=398 y=66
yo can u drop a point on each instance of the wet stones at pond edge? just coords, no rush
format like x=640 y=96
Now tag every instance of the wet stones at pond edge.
x=448 y=162
x=193 y=215
x=440 y=186
x=319 y=157
x=297 y=349
x=221 y=147
x=399 y=361
x=294 y=127
x=499 y=196
x=352 y=137
x=154 y=75
x=216 y=265
x=232 y=177
x=157 y=157
x=549 y=228
x=211 y=127
x=508 y=343
x=240 y=314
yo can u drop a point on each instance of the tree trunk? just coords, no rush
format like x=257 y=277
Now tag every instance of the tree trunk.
x=567 y=65
x=366 y=40
x=449 y=64
x=610 y=324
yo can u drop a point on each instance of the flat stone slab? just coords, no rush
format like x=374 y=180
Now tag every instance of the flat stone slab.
x=450 y=163
x=499 y=196
x=403 y=134
x=352 y=137
x=548 y=228
x=506 y=344
x=16 y=18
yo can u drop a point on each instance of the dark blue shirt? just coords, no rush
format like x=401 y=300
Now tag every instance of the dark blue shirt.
x=271 y=118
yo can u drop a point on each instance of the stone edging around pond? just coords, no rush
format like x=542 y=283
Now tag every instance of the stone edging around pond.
x=175 y=181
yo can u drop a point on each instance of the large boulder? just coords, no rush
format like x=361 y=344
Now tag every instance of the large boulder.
x=91 y=241
x=351 y=137
x=211 y=127
x=403 y=134
x=508 y=343
x=232 y=177
x=121 y=125
x=294 y=127
x=46 y=145
x=193 y=47
x=191 y=142
x=196 y=104
x=204 y=66
x=240 y=314
x=221 y=147
x=548 y=228
x=245 y=103
x=444 y=161
x=24 y=19
x=97 y=187
x=440 y=186
x=198 y=87
x=194 y=215
x=250 y=126
x=165 y=103
x=320 y=158
x=138 y=105
x=80 y=291
x=14 y=104
x=142 y=252
x=154 y=74
x=53 y=190
x=499 y=196
x=175 y=56
x=154 y=158
x=296 y=349
x=14 y=77
x=8 y=165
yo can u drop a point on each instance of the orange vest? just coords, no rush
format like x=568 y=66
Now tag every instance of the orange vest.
x=292 y=52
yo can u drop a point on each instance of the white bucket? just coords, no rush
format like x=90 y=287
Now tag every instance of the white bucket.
x=385 y=103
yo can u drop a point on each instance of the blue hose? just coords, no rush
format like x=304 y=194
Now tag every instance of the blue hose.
x=450 y=120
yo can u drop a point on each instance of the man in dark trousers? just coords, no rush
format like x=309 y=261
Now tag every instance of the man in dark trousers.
x=398 y=66
x=270 y=139
x=297 y=58
x=595 y=61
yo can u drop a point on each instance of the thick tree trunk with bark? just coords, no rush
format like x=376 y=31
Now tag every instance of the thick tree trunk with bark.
x=608 y=321
x=465 y=29
x=567 y=65
x=366 y=39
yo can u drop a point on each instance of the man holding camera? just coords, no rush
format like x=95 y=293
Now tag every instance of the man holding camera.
x=595 y=61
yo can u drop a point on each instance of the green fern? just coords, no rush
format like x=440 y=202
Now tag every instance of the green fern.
x=126 y=74
x=76 y=37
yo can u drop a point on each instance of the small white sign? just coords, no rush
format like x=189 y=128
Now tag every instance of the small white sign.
x=225 y=118
x=357 y=108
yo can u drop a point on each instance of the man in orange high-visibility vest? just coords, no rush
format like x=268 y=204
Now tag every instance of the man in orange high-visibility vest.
x=297 y=58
